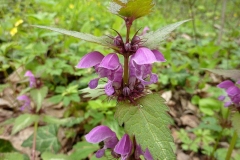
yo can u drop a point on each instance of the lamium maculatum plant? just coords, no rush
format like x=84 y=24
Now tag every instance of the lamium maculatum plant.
x=141 y=113
x=231 y=99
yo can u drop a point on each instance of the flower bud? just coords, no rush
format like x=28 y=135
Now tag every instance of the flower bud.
x=118 y=41
x=128 y=47
x=135 y=40
x=135 y=47
x=140 y=87
x=126 y=91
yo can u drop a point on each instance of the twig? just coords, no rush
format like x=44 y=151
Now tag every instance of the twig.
x=34 y=140
x=193 y=19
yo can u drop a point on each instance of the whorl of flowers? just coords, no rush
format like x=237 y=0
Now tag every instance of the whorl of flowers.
x=126 y=81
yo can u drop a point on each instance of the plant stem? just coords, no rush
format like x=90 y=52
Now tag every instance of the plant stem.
x=125 y=76
x=232 y=144
x=34 y=140
x=128 y=23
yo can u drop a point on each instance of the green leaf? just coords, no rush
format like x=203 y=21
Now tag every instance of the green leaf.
x=38 y=96
x=83 y=149
x=131 y=8
x=56 y=99
x=103 y=40
x=209 y=106
x=148 y=121
x=23 y=121
x=235 y=122
x=234 y=74
x=11 y=156
x=64 y=122
x=46 y=139
x=153 y=39
x=5 y=146
x=93 y=93
x=51 y=156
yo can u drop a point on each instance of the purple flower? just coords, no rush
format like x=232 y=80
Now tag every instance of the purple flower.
x=108 y=66
x=141 y=65
x=232 y=91
x=124 y=147
x=32 y=79
x=105 y=134
x=138 y=151
x=26 y=100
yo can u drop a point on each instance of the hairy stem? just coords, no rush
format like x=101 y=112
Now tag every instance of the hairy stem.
x=34 y=140
x=232 y=144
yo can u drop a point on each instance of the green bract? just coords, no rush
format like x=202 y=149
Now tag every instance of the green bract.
x=153 y=39
x=148 y=121
x=103 y=40
x=131 y=8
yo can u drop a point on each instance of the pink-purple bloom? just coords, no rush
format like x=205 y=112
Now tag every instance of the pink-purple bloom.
x=105 y=134
x=123 y=148
x=26 y=101
x=141 y=65
x=32 y=79
x=108 y=66
x=233 y=93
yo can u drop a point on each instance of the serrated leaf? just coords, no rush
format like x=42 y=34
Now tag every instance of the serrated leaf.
x=131 y=8
x=38 y=95
x=153 y=39
x=103 y=40
x=51 y=156
x=235 y=122
x=233 y=74
x=23 y=121
x=148 y=121
x=83 y=149
x=11 y=156
x=46 y=139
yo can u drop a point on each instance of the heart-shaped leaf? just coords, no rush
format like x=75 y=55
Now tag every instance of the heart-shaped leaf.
x=148 y=121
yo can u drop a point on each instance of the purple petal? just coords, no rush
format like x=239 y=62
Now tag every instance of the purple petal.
x=110 y=61
x=109 y=90
x=124 y=147
x=225 y=84
x=147 y=155
x=138 y=152
x=26 y=100
x=32 y=79
x=145 y=30
x=29 y=74
x=233 y=90
x=93 y=83
x=100 y=153
x=159 y=56
x=144 y=56
x=226 y=104
x=238 y=82
x=221 y=98
x=91 y=59
x=111 y=142
x=99 y=133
